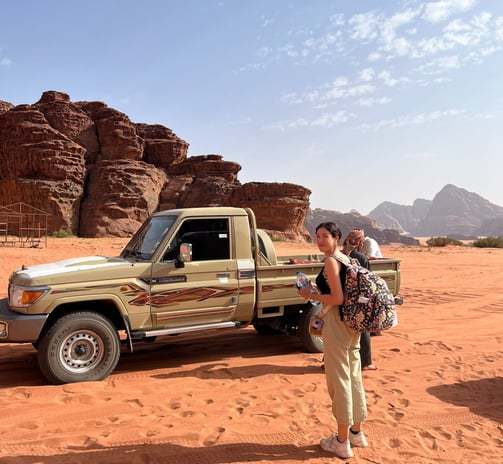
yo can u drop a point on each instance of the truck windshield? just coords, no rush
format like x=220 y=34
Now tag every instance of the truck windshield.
x=148 y=237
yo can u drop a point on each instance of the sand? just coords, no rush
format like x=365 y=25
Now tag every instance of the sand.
x=238 y=397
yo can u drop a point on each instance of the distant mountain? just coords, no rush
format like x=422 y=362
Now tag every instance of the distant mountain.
x=400 y=217
x=354 y=220
x=453 y=211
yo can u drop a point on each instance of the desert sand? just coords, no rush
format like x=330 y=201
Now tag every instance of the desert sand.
x=238 y=397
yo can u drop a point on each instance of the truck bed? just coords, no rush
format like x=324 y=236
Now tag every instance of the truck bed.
x=276 y=282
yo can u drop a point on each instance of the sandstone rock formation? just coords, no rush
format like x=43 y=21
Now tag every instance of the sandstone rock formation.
x=403 y=218
x=100 y=174
x=453 y=212
x=354 y=220
x=456 y=211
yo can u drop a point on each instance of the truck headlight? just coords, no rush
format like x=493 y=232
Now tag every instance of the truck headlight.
x=22 y=297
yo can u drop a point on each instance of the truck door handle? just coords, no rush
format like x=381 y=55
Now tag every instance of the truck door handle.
x=223 y=275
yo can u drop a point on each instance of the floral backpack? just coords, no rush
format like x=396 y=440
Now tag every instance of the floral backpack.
x=369 y=305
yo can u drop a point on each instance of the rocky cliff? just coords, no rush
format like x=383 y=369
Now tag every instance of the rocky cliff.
x=453 y=212
x=100 y=174
x=353 y=220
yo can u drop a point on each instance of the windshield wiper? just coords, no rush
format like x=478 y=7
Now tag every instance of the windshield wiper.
x=136 y=255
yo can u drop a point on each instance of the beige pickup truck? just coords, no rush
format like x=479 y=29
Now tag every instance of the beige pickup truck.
x=184 y=271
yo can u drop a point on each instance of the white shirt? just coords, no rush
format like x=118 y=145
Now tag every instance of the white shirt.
x=371 y=248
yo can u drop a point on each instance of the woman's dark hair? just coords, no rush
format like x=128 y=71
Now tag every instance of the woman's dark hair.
x=332 y=227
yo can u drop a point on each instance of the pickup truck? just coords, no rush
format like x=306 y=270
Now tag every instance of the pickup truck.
x=184 y=271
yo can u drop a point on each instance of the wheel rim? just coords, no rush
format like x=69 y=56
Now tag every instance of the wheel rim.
x=82 y=351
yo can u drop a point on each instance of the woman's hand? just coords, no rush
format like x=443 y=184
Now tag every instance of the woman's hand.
x=310 y=292
x=305 y=292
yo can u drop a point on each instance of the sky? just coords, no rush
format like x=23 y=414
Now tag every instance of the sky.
x=361 y=101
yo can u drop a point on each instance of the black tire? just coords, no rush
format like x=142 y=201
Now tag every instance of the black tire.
x=263 y=328
x=311 y=343
x=79 y=347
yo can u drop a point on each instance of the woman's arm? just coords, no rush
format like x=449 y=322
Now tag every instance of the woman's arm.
x=336 y=295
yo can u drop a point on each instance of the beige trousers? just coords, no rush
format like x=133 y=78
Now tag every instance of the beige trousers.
x=341 y=347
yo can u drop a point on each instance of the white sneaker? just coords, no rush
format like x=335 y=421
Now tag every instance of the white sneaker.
x=358 y=440
x=332 y=445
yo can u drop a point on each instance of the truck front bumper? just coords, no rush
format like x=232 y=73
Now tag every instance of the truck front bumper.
x=19 y=328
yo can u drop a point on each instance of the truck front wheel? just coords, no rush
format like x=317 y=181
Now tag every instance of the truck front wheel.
x=311 y=343
x=81 y=346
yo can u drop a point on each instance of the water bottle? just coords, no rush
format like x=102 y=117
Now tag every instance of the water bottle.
x=302 y=281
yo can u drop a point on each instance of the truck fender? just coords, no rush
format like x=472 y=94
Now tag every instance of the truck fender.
x=73 y=300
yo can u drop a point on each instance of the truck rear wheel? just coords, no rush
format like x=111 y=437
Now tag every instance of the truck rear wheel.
x=311 y=343
x=266 y=327
x=81 y=346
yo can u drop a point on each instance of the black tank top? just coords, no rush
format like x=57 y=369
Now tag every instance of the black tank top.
x=322 y=283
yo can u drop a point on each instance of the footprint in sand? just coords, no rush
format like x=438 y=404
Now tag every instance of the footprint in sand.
x=136 y=403
x=395 y=413
x=373 y=397
x=213 y=436
x=29 y=425
x=443 y=433
x=428 y=440
x=395 y=443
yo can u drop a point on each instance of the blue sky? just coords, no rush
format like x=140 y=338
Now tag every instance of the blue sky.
x=359 y=101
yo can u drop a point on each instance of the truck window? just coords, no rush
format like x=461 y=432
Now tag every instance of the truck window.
x=209 y=238
x=145 y=241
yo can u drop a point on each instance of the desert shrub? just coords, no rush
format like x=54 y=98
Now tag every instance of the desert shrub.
x=443 y=241
x=62 y=233
x=489 y=242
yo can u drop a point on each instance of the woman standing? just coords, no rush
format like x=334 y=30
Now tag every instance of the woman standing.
x=341 y=350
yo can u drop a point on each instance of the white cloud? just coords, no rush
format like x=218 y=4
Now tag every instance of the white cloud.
x=338 y=19
x=422 y=44
x=365 y=26
x=339 y=88
x=5 y=62
x=414 y=119
x=331 y=119
x=389 y=81
x=326 y=120
x=366 y=74
x=498 y=28
x=266 y=21
x=440 y=65
x=373 y=101
x=439 y=11
x=285 y=125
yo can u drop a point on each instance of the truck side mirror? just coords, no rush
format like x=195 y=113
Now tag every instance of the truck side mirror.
x=185 y=255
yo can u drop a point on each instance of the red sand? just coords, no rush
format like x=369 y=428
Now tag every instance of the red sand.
x=238 y=397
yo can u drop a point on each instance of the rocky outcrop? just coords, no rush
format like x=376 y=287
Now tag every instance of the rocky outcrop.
x=400 y=217
x=100 y=174
x=162 y=147
x=41 y=166
x=453 y=212
x=120 y=195
x=348 y=221
x=5 y=106
x=280 y=208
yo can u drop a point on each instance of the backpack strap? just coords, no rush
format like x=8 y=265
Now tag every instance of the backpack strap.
x=343 y=259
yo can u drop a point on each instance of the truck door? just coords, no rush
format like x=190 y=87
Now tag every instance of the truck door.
x=205 y=290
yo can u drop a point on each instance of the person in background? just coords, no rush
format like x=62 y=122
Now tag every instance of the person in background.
x=341 y=348
x=349 y=248
x=370 y=247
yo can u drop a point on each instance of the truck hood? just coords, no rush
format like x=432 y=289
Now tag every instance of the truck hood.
x=75 y=270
